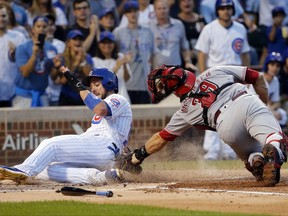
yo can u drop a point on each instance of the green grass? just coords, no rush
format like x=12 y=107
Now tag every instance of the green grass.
x=72 y=208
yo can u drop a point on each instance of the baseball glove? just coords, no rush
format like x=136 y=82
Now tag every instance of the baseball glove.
x=124 y=162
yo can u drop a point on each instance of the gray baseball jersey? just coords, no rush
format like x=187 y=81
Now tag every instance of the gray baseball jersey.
x=244 y=122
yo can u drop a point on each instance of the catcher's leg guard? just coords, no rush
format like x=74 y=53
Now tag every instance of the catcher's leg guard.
x=274 y=152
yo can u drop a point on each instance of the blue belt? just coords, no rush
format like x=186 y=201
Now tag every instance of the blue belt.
x=33 y=94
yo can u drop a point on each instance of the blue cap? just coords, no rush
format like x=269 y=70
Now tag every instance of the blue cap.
x=40 y=18
x=278 y=10
x=130 y=5
x=74 y=33
x=105 y=12
x=106 y=35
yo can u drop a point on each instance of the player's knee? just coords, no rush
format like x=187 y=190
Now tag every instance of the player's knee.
x=274 y=139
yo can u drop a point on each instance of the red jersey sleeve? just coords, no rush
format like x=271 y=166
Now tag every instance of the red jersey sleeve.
x=251 y=76
x=165 y=135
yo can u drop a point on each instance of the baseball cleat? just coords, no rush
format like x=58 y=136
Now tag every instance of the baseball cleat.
x=114 y=175
x=12 y=173
x=271 y=171
x=258 y=164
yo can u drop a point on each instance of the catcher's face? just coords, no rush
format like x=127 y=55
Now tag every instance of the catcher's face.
x=160 y=87
x=97 y=87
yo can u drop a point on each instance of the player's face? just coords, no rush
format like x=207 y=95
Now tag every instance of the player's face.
x=3 y=18
x=97 y=87
x=225 y=13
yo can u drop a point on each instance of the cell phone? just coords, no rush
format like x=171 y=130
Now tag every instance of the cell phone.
x=41 y=40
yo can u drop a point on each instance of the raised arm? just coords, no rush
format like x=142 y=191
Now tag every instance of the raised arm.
x=94 y=103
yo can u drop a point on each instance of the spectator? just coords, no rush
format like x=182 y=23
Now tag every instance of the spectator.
x=87 y=24
x=107 y=20
x=60 y=4
x=136 y=41
x=265 y=8
x=9 y=39
x=193 y=24
x=276 y=41
x=109 y=57
x=207 y=10
x=80 y=64
x=146 y=14
x=44 y=7
x=272 y=66
x=32 y=60
x=256 y=35
x=95 y=7
x=20 y=13
x=170 y=38
x=283 y=79
x=54 y=87
x=14 y=25
x=221 y=42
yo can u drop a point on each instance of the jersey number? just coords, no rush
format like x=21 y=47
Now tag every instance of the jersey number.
x=205 y=86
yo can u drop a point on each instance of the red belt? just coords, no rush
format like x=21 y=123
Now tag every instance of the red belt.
x=218 y=112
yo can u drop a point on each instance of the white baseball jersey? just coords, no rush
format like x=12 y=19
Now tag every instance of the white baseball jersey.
x=244 y=122
x=116 y=126
x=223 y=46
x=79 y=158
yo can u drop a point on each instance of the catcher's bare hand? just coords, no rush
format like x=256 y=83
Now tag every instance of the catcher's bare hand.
x=124 y=162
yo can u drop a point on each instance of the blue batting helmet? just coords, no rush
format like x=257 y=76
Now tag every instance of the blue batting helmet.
x=224 y=3
x=109 y=79
x=272 y=57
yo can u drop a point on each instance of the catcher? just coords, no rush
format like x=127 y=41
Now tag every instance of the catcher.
x=218 y=100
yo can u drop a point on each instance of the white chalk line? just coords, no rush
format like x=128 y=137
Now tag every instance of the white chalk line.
x=211 y=190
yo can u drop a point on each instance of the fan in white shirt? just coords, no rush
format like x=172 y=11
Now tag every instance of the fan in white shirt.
x=109 y=57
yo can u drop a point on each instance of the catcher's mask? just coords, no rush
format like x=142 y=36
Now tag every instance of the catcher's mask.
x=167 y=79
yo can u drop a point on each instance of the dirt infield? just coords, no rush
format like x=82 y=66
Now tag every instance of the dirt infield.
x=209 y=190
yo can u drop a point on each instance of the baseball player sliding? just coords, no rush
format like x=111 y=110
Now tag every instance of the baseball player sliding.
x=218 y=100
x=89 y=157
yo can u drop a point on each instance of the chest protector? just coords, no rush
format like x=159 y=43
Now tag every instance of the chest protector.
x=206 y=100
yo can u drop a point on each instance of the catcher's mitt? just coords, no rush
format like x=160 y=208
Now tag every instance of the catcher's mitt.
x=124 y=162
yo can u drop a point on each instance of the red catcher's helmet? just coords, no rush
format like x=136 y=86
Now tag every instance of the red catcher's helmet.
x=167 y=79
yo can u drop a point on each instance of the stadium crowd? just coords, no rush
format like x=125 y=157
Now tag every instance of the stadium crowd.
x=131 y=37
